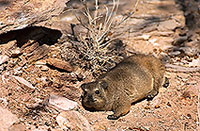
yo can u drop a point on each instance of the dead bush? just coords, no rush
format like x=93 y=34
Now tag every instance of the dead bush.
x=99 y=47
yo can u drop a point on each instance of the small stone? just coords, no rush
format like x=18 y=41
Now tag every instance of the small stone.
x=39 y=53
x=180 y=40
x=189 y=116
x=41 y=62
x=145 y=37
x=186 y=94
x=15 y=53
x=24 y=82
x=3 y=59
x=147 y=107
x=62 y=102
x=190 y=51
x=60 y=64
x=195 y=62
x=23 y=61
x=130 y=128
x=16 y=72
x=18 y=68
x=169 y=104
x=47 y=124
x=44 y=68
x=157 y=106
x=174 y=53
x=147 y=128
x=2 y=68
x=73 y=120
x=153 y=41
x=38 y=66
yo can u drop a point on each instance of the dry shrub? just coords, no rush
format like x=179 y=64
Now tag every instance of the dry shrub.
x=99 y=47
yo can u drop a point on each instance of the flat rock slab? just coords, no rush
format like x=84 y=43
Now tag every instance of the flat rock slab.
x=6 y=119
x=18 y=14
x=62 y=102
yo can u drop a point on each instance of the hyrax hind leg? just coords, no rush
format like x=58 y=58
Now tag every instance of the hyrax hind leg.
x=156 y=84
x=164 y=82
x=120 y=110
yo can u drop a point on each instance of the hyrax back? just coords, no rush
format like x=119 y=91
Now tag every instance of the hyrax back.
x=137 y=77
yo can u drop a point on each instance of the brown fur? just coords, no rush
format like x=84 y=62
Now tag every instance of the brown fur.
x=135 y=78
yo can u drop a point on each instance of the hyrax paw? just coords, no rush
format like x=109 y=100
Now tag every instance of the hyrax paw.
x=150 y=97
x=112 y=117
x=166 y=85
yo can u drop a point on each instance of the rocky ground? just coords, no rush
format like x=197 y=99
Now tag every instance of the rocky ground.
x=40 y=72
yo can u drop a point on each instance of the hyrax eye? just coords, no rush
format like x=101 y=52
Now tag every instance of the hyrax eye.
x=97 y=92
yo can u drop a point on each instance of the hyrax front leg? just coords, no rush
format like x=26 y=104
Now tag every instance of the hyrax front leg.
x=120 y=110
x=152 y=94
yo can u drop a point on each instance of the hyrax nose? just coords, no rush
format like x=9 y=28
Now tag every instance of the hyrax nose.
x=89 y=96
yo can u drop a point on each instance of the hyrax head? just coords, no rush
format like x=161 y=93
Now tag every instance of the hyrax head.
x=94 y=94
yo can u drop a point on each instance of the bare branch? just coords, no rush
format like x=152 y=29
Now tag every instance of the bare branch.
x=131 y=13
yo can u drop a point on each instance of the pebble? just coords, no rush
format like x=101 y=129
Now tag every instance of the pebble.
x=15 y=52
x=24 y=82
x=40 y=62
x=44 y=68
x=174 y=53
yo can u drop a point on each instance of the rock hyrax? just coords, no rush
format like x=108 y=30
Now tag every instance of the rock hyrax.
x=135 y=78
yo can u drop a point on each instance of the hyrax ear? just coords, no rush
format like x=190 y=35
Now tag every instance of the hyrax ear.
x=103 y=84
x=83 y=86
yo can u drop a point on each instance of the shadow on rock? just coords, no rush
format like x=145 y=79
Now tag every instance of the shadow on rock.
x=42 y=35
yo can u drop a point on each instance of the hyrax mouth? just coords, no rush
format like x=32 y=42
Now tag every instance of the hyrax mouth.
x=91 y=100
